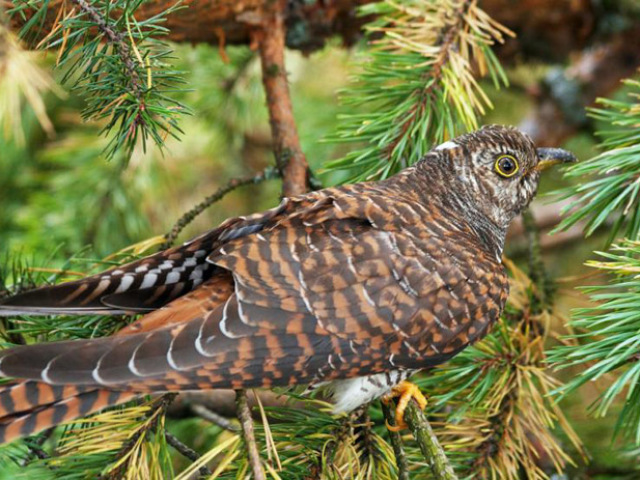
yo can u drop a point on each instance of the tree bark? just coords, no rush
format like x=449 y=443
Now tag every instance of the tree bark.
x=546 y=29
x=229 y=22
x=290 y=160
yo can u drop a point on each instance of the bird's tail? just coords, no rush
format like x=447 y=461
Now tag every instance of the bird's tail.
x=30 y=407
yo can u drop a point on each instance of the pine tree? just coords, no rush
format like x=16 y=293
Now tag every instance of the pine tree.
x=426 y=72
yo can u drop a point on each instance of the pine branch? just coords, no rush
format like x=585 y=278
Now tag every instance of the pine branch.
x=244 y=415
x=428 y=442
x=290 y=159
x=117 y=63
x=396 y=443
x=612 y=186
x=267 y=174
x=214 y=418
x=187 y=452
x=117 y=40
x=607 y=338
x=537 y=270
x=419 y=86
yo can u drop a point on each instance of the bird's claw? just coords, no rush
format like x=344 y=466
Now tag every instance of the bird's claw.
x=405 y=391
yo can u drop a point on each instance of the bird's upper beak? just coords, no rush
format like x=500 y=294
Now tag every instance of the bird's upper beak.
x=553 y=156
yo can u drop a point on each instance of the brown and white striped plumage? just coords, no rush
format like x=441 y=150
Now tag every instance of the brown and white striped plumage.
x=357 y=286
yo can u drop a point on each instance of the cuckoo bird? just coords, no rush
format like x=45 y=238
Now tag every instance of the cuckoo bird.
x=354 y=287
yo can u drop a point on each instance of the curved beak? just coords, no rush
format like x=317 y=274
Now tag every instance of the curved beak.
x=553 y=156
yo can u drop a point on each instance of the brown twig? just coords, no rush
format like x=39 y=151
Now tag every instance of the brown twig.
x=396 y=443
x=214 y=418
x=244 y=415
x=428 y=443
x=188 y=217
x=537 y=270
x=187 y=452
x=160 y=404
x=290 y=159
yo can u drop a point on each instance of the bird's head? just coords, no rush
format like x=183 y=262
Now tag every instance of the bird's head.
x=495 y=170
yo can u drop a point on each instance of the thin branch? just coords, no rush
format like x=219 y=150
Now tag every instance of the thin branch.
x=214 y=418
x=290 y=159
x=160 y=404
x=537 y=269
x=244 y=415
x=396 y=443
x=428 y=443
x=267 y=174
x=187 y=452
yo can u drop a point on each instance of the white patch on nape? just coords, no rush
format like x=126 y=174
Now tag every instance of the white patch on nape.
x=447 y=145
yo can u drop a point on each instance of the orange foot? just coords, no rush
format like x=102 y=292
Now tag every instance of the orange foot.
x=406 y=391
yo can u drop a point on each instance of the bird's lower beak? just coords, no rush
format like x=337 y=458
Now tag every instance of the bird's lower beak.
x=553 y=156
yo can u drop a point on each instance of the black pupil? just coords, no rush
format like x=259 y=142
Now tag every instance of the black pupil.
x=507 y=165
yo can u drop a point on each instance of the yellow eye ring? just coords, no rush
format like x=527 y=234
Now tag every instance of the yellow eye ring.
x=506 y=166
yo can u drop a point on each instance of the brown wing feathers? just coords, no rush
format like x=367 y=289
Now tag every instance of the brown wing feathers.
x=322 y=287
x=140 y=286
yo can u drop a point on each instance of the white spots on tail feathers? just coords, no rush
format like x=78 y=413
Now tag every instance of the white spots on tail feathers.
x=223 y=323
x=196 y=275
x=125 y=283
x=166 y=265
x=447 y=145
x=142 y=268
x=170 y=360
x=190 y=262
x=95 y=373
x=132 y=361
x=198 y=342
x=149 y=280
x=45 y=372
x=102 y=286
x=172 y=277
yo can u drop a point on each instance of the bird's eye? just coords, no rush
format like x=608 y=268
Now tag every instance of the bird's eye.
x=506 y=166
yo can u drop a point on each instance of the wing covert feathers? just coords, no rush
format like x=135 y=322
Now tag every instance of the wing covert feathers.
x=340 y=283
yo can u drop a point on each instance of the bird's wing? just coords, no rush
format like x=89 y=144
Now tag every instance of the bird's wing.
x=143 y=285
x=331 y=289
x=374 y=271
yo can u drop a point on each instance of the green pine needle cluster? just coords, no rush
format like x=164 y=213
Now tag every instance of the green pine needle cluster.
x=118 y=64
x=418 y=85
x=608 y=192
x=606 y=342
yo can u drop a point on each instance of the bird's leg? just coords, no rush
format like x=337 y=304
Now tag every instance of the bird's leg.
x=405 y=391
